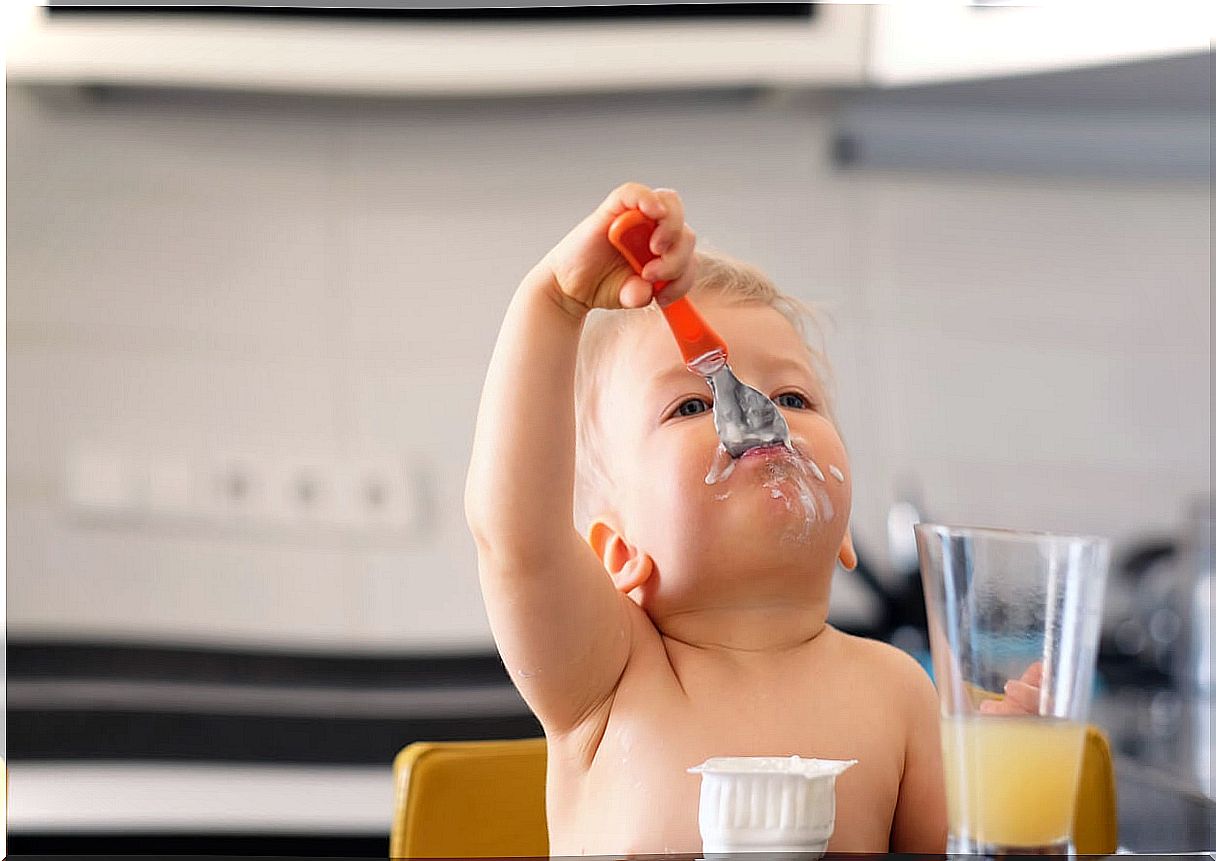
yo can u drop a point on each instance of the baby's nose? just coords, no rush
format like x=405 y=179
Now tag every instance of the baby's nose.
x=743 y=416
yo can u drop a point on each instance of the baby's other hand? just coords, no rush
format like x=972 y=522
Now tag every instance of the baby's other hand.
x=1021 y=695
x=592 y=274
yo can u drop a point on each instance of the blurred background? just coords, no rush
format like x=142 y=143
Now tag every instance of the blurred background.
x=257 y=258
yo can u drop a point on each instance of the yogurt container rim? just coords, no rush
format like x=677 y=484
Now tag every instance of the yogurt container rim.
x=776 y=765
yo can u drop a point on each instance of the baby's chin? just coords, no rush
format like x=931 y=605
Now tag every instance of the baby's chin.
x=759 y=542
x=737 y=567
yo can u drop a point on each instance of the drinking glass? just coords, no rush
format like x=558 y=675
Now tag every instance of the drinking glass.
x=1014 y=619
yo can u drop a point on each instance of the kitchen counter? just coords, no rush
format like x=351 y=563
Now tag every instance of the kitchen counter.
x=1163 y=755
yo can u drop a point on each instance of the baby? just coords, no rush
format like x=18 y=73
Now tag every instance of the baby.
x=679 y=619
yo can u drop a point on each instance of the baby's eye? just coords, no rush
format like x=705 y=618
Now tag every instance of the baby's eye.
x=692 y=407
x=792 y=400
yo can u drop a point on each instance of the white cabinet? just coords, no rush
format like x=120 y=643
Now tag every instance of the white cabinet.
x=838 y=46
x=448 y=57
x=930 y=42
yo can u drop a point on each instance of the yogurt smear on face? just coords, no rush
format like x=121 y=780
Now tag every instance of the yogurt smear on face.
x=788 y=475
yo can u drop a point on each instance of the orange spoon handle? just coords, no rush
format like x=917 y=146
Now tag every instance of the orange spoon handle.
x=630 y=234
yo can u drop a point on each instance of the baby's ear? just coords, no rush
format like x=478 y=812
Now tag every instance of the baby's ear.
x=848 y=556
x=600 y=536
x=626 y=565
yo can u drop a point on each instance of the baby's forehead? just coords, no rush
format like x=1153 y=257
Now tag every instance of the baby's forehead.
x=751 y=328
x=630 y=352
x=640 y=350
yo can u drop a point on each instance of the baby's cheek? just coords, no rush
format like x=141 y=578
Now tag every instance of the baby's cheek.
x=683 y=506
x=836 y=469
x=688 y=492
x=828 y=452
x=840 y=486
x=659 y=497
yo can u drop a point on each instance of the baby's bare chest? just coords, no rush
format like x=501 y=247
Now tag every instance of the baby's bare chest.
x=700 y=716
x=659 y=726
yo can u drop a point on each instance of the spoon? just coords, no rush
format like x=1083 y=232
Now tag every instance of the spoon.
x=744 y=417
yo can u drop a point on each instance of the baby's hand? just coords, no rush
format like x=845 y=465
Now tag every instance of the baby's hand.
x=1021 y=695
x=592 y=274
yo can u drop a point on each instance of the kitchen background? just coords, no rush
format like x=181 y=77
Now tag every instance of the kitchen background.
x=251 y=297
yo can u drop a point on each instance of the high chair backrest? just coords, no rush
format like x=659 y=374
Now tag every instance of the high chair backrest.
x=1095 y=824
x=477 y=799
x=470 y=799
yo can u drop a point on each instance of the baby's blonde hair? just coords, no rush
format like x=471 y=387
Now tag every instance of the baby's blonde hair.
x=719 y=277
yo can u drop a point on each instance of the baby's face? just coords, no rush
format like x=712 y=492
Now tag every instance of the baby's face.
x=770 y=531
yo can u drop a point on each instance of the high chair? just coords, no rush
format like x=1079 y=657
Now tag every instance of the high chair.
x=470 y=799
x=1095 y=823
x=477 y=799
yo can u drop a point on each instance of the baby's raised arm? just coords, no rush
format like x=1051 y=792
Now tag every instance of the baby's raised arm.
x=561 y=627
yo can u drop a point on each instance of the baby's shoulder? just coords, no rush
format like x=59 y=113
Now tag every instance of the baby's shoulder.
x=881 y=665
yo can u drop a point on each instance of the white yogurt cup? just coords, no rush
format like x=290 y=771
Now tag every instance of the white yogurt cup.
x=768 y=803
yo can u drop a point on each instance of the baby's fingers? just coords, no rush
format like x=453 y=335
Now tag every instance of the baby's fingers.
x=680 y=285
x=1025 y=697
x=994 y=707
x=677 y=258
x=634 y=195
x=670 y=227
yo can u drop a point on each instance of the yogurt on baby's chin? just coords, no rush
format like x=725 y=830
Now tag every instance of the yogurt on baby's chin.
x=768 y=803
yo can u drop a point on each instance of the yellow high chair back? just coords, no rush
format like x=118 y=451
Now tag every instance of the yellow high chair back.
x=1095 y=824
x=470 y=799
x=477 y=799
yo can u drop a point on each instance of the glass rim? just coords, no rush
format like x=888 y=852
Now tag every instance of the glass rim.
x=1006 y=533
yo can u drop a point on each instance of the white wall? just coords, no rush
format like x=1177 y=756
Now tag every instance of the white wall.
x=287 y=279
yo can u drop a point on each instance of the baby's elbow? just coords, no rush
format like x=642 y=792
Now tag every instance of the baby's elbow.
x=475 y=515
x=486 y=519
x=491 y=535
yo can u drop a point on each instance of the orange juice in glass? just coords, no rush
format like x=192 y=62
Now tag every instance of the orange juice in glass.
x=1012 y=781
x=1014 y=620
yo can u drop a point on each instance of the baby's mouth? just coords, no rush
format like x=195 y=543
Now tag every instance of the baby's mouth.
x=773 y=450
x=723 y=464
x=788 y=476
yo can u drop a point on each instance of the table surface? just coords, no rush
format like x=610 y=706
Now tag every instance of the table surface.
x=830 y=856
